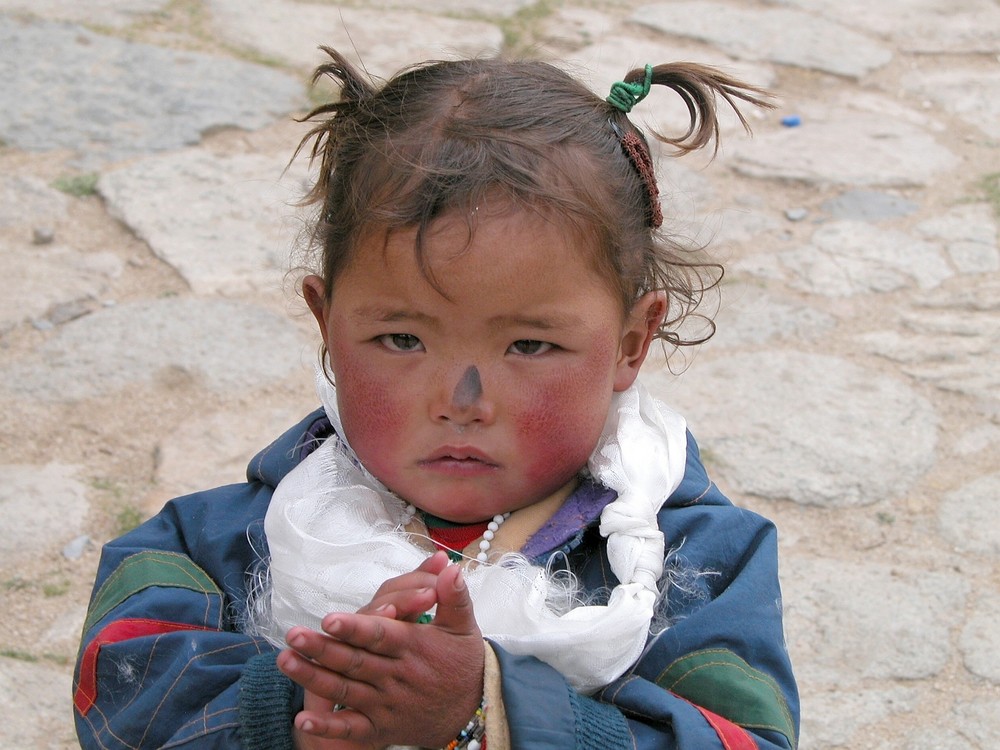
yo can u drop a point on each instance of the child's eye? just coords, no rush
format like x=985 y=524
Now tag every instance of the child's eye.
x=530 y=347
x=401 y=342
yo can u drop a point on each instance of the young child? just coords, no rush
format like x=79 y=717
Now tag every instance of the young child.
x=492 y=279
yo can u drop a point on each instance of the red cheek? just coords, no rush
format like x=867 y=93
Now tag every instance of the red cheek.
x=558 y=432
x=372 y=417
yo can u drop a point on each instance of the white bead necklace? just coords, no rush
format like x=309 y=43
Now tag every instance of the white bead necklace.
x=485 y=543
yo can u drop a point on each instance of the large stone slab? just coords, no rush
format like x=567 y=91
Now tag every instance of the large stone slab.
x=788 y=37
x=113 y=13
x=28 y=201
x=968 y=516
x=973 y=94
x=832 y=717
x=844 y=147
x=34 y=701
x=446 y=8
x=225 y=223
x=853 y=621
x=845 y=258
x=980 y=642
x=750 y=316
x=41 y=506
x=214 y=449
x=37 y=280
x=109 y=99
x=952 y=341
x=222 y=344
x=970 y=234
x=812 y=429
x=959 y=26
x=381 y=41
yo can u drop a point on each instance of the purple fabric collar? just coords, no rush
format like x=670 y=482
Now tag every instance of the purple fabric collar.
x=580 y=510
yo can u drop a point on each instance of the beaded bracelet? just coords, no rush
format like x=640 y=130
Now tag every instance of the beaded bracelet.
x=473 y=737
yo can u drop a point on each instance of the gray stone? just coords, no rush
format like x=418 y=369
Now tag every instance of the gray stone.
x=380 y=41
x=878 y=152
x=114 y=13
x=796 y=214
x=33 y=702
x=853 y=621
x=225 y=223
x=42 y=236
x=223 y=344
x=832 y=717
x=38 y=280
x=980 y=641
x=971 y=94
x=782 y=36
x=868 y=205
x=75 y=549
x=970 y=232
x=813 y=429
x=41 y=506
x=959 y=26
x=132 y=99
x=846 y=258
x=968 y=516
x=26 y=201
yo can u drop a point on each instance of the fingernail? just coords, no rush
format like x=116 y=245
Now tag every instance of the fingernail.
x=307 y=726
x=383 y=608
x=459 y=581
x=298 y=640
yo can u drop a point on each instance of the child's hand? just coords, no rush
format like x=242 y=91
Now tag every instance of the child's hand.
x=404 y=683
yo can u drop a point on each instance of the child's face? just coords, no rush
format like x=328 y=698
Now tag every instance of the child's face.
x=491 y=397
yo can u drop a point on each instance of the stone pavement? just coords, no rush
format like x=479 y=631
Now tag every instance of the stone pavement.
x=151 y=339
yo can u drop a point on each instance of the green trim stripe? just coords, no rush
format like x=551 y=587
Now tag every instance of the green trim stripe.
x=142 y=570
x=722 y=682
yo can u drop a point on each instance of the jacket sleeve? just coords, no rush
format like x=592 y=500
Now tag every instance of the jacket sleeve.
x=163 y=660
x=717 y=675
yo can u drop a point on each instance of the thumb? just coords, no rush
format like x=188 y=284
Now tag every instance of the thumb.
x=454 y=607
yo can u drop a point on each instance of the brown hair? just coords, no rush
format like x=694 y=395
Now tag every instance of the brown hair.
x=441 y=135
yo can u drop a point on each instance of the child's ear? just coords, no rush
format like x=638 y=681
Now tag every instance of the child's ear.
x=640 y=329
x=314 y=290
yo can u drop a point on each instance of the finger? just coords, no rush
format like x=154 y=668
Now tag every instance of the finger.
x=345 y=724
x=406 y=605
x=326 y=684
x=376 y=635
x=454 y=609
x=335 y=656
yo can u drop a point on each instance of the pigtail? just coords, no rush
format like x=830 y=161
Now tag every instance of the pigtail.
x=354 y=89
x=700 y=86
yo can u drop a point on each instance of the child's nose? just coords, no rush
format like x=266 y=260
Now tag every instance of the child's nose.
x=464 y=401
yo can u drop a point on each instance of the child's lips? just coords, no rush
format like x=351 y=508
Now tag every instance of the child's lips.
x=461 y=459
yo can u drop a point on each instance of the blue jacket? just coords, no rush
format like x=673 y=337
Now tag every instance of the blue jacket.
x=163 y=661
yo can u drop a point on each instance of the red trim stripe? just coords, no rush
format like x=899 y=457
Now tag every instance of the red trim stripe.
x=732 y=736
x=120 y=630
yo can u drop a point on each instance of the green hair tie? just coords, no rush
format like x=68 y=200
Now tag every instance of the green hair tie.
x=624 y=95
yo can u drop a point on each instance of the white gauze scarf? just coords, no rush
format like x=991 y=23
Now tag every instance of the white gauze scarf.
x=335 y=534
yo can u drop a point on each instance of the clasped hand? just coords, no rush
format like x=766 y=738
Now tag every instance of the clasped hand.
x=397 y=682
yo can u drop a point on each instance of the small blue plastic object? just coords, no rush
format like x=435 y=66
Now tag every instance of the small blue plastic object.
x=791 y=121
